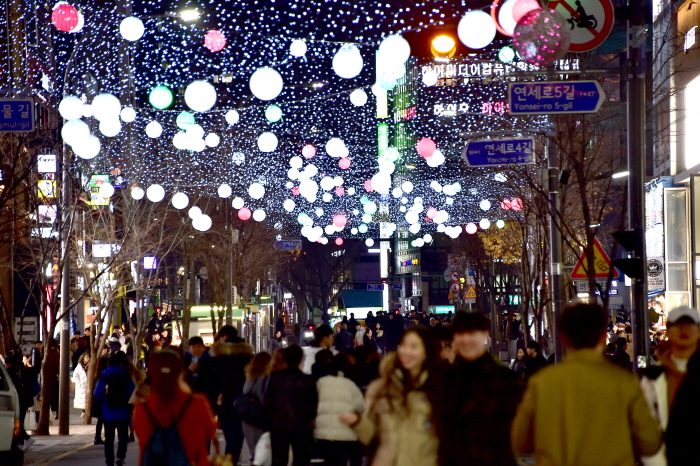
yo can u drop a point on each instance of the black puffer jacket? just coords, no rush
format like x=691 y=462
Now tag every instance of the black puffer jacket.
x=476 y=411
x=222 y=373
x=291 y=400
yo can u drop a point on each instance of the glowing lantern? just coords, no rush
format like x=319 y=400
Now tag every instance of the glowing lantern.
x=212 y=140
x=476 y=29
x=232 y=117
x=335 y=147
x=347 y=62
x=256 y=191
x=71 y=108
x=128 y=114
x=137 y=193
x=362 y=228
x=339 y=221
x=259 y=215
x=201 y=223
x=244 y=214
x=75 y=131
x=273 y=113
x=106 y=190
x=298 y=48
x=500 y=223
x=194 y=212
x=131 y=28
x=542 y=37
x=237 y=203
x=339 y=191
x=426 y=147
x=358 y=97
x=296 y=191
x=505 y=204
x=431 y=213
x=430 y=78
x=344 y=163
x=395 y=49
x=200 y=96
x=155 y=193
x=516 y=204
x=215 y=41
x=224 y=191
x=368 y=186
x=64 y=17
x=289 y=205
x=160 y=97
x=485 y=205
x=267 y=142
x=522 y=7
x=339 y=241
x=88 y=148
x=266 y=83
x=485 y=223
x=106 y=106
x=471 y=228
x=308 y=151
x=180 y=200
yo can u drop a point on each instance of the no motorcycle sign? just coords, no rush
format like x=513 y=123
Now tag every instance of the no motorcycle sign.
x=591 y=21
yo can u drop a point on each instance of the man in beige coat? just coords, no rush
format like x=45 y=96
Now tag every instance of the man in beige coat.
x=584 y=411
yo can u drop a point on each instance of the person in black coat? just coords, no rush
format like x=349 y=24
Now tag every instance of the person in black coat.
x=222 y=377
x=620 y=356
x=291 y=400
x=479 y=400
x=534 y=360
x=344 y=340
x=683 y=427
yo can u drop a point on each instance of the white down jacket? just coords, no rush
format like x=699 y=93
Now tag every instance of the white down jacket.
x=336 y=395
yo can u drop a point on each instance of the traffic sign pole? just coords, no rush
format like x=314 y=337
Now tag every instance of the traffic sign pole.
x=555 y=246
x=636 y=134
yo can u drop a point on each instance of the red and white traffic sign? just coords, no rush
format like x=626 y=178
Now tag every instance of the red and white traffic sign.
x=591 y=21
x=454 y=287
x=454 y=276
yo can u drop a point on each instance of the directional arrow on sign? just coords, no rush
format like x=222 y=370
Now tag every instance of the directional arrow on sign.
x=555 y=97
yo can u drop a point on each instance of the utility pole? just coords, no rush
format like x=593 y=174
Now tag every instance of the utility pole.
x=556 y=281
x=636 y=161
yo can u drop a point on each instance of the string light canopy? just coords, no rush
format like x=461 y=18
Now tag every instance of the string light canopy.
x=239 y=135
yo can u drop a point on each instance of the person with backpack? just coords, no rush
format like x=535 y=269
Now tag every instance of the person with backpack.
x=174 y=427
x=112 y=392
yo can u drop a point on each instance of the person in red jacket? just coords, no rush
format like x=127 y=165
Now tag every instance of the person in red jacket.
x=169 y=398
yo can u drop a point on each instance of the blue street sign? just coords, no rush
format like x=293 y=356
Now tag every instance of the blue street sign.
x=560 y=97
x=16 y=115
x=375 y=287
x=288 y=245
x=396 y=286
x=492 y=152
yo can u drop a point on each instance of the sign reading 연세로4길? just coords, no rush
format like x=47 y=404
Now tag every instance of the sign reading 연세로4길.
x=492 y=152
x=16 y=115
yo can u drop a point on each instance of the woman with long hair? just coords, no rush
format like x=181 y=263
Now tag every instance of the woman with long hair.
x=256 y=373
x=172 y=404
x=81 y=382
x=277 y=362
x=399 y=419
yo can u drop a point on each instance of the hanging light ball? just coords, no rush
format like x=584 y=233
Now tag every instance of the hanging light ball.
x=215 y=41
x=202 y=223
x=106 y=106
x=106 y=190
x=131 y=28
x=339 y=221
x=128 y=114
x=212 y=140
x=200 y=96
x=485 y=205
x=237 y=203
x=435 y=160
x=110 y=127
x=180 y=140
x=542 y=37
x=426 y=147
x=184 y=120
x=194 y=212
x=259 y=215
x=335 y=147
x=476 y=29
x=430 y=78
x=87 y=148
x=344 y=163
x=160 y=97
x=500 y=223
x=394 y=49
x=358 y=97
x=484 y=223
x=505 y=16
x=266 y=83
x=273 y=113
x=232 y=117
x=522 y=7
x=224 y=191
x=347 y=61
x=298 y=48
x=308 y=151
x=256 y=191
x=267 y=142
x=470 y=228
x=137 y=193
x=180 y=200
x=71 y=108
x=155 y=193
x=64 y=17
x=339 y=241
x=244 y=213
x=74 y=131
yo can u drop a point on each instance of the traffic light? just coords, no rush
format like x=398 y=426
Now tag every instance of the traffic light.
x=633 y=241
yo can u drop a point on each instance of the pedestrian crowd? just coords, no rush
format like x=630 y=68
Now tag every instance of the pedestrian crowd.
x=419 y=391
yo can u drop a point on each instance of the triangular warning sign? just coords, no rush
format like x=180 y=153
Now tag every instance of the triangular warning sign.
x=471 y=293
x=601 y=263
x=450 y=295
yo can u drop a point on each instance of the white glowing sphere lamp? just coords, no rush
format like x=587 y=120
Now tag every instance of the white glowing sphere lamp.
x=137 y=193
x=298 y=48
x=347 y=62
x=71 y=108
x=224 y=191
x=266 y=83
x=131 y=28
x=180 y=200
x=256 y=191
x=155 y=193
x=476 y=29
x=267 y=142
x=200 y=96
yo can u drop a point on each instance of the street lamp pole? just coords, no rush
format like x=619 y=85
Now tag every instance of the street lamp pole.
x=555 y=247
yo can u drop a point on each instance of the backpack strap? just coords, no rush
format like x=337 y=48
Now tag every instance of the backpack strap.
x=176 y=419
